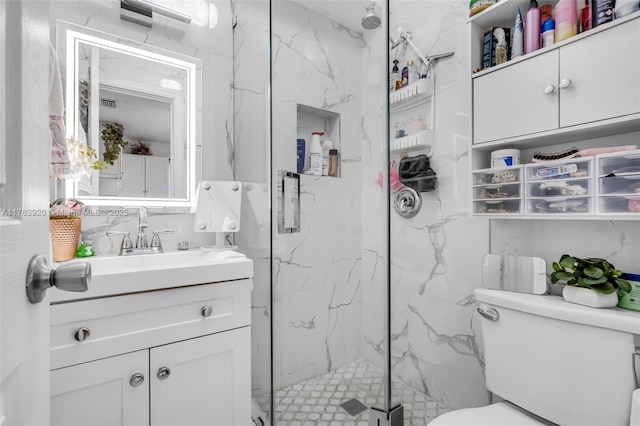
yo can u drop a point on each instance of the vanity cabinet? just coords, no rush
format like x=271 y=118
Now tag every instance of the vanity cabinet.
x=166 y=357
x=592 y=79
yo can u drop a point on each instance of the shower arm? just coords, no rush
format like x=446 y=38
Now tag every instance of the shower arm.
x=408 y=38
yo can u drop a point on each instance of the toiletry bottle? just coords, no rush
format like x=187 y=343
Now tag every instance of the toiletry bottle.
x=405 y=76
x=315 y=154
x=585 y=17
x=423 y=69
x=326 y=146
x=602 y=11
x=399 y=81
x=300 y=155
x=566 y=20
x=518 y=36
x=416 y=124
x=333 y=162
x=414 y=74
x=546 y=12
x=393 y=85
x=501 y=46
x=532 y=28
x=548 y=32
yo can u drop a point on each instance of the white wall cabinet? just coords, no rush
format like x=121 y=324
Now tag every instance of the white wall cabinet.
x=167 y=357
x=145 y=176
x=579 y=92
x=592 y=79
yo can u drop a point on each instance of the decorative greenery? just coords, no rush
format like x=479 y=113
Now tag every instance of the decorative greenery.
x=141 y=148
x=113 y=142
x=65 y=208
x=593 y=273
x=83 y=158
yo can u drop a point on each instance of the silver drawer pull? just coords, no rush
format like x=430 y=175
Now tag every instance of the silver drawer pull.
x=490 y=314
x=82 y=334
x=206 y=311
x=163 y=373
x=136 y=380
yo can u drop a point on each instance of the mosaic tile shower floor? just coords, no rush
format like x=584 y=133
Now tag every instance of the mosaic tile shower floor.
x=316 y=402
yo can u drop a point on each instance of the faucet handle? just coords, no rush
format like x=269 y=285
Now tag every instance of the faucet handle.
x=155 y=240
x=126 y=239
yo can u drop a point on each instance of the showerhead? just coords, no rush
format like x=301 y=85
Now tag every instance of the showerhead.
x=371 y=20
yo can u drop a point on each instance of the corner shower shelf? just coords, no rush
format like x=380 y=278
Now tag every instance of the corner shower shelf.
x=414 y=94
x=422 y=140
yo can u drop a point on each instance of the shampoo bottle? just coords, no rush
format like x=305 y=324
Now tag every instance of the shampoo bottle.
x=326 y=146
x=532 y=28
x=315 y=154
x=394 y=76
x=405 y=76
x=517 y=44
x=566 y=19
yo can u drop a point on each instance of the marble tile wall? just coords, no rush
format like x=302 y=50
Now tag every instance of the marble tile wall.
x=435 y=256
x=316 y=272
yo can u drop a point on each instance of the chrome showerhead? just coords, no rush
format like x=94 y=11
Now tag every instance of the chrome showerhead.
x=371 y=20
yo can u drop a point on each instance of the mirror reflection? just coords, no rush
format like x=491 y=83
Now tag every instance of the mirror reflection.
x=135 y=105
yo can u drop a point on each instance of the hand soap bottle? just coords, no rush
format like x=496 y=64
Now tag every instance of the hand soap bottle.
x=532 y=28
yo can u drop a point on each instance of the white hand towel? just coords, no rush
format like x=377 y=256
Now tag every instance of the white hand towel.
x=635 y=408
x=60 y=164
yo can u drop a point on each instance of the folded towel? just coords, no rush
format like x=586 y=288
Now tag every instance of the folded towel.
x=60 y=164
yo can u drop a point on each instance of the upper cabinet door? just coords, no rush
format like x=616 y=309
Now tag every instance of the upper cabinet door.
x=516 y=100
x=601 y=72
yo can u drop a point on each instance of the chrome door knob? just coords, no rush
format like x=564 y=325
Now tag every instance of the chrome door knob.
x=206 y=311
x=73 y=276
x=82 y=334
x=163 y=373
x=136 y=380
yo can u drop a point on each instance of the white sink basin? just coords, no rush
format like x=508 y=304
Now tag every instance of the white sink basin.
x=112 y=274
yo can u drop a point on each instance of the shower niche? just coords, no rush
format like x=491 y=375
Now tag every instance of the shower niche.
x=311 y=119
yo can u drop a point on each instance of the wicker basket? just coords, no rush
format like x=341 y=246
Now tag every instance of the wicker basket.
x=65 y=234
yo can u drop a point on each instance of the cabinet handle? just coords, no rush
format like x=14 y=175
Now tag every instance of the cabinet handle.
x=549 y=89
x=82 y=334
x=163 y=373
x=206 y=311
x=136 y=380
x=564 y=83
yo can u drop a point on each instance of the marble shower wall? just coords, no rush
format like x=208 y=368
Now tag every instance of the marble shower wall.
x=435 y=256
x=252 y=153
x=316 y=272
x=215 y=151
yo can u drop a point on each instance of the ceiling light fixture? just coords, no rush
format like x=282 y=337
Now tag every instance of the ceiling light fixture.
x=141 y=12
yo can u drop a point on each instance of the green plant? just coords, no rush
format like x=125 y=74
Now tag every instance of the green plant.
x=113 y=142
x=593 y=273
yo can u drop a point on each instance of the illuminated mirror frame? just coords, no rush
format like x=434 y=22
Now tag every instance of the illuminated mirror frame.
x=73 y=35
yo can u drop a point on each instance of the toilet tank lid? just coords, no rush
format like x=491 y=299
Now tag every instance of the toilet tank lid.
x=556 y=307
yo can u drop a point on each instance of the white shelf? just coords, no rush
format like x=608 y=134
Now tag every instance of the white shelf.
x=422 y=140
x=413 y=95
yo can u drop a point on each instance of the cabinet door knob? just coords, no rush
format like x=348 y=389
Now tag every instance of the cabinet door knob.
x=549 y=89
x=564 y=83
x=163 y=373
x=82 y=334
x=136 y=380
x=206 y=311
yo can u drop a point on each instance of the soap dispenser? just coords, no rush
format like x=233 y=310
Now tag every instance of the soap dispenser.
x=315 y=154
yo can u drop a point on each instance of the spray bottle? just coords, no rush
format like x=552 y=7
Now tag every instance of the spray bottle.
x=517 y=41
x=532 y=28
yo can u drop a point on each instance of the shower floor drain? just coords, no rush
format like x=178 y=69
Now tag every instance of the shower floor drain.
x=353 y=407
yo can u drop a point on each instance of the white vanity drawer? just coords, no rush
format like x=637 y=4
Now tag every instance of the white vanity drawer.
x=131 y=322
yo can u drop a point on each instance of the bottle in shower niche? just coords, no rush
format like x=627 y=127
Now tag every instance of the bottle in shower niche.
x=532 y=28
x=315 y=154
x=405 y=76
x=333 y=163
x=326 y=146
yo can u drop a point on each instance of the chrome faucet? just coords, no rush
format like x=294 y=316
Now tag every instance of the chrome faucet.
x=143 y=222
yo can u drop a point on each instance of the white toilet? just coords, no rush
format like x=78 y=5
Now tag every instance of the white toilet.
x=553 y=362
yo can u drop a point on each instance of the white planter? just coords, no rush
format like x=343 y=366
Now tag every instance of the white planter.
x=587 y=297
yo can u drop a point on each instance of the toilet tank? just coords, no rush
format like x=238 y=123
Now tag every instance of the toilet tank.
x=567 y=363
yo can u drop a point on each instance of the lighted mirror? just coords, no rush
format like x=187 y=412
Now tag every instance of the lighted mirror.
x=136 y=106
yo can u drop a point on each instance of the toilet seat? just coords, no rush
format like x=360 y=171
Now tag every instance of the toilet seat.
x=499 y=414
